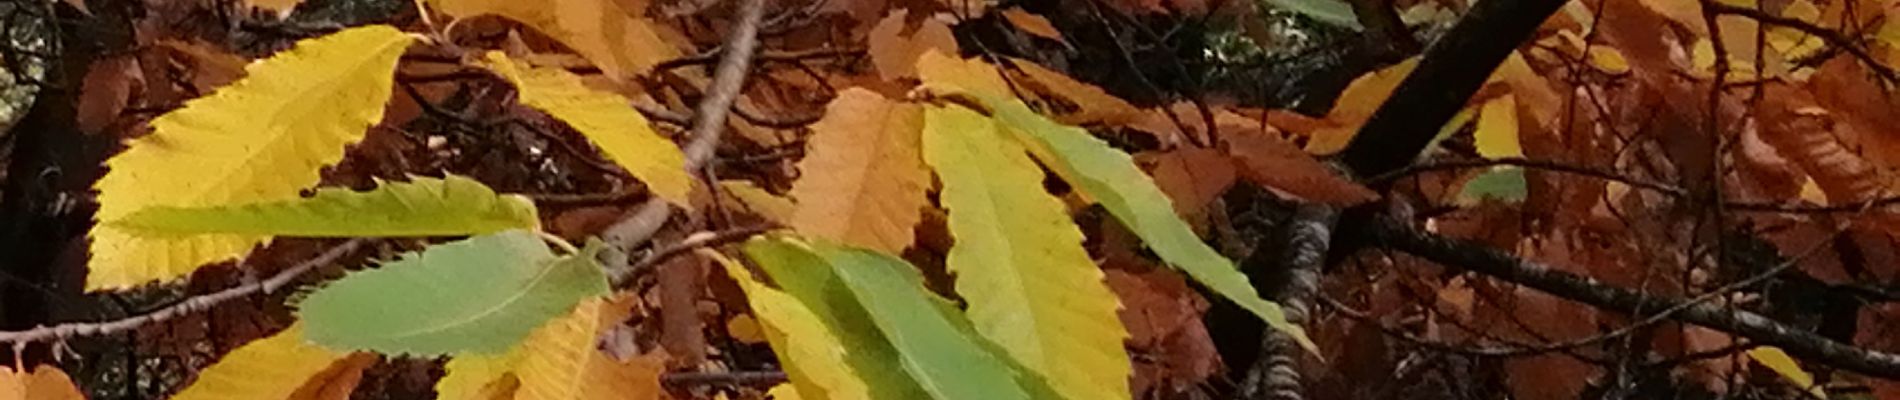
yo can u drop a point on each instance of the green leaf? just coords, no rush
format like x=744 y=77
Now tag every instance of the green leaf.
x=1336 y=12
x=808 y=278
x=1019 y=261
x=947 y=363
x=813 y=356
x=481 y=295
x=422 y=207
x=1503 y=183
x=1111 y=177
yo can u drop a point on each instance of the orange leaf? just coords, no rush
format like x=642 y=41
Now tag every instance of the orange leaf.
x=863 y=179
x=1356 y=104
x=1268 y=160
x=1032 y=24
x=619 y=40
x=45 y=383
x=1192 y=176
x=336 y=382
x=1093 y=104
x=895 y=54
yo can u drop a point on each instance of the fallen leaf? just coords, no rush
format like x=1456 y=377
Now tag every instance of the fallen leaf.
x=105 y=91
x=862 y=181
x=1268 y=160
x=895 y=54
x=45 y=383
x=1093 y=104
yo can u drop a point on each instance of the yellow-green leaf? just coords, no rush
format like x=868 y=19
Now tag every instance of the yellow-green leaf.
x=268 y=368
x=1779 y=361
x=750 y=197
x=808 y=278
x=606 y=119
x=261 y=139
x=1496 y=134
x=1019 y=261
x=813 y=357
x=1111 y=177
x=478 y=377
x=423 y=207
x=862 y=181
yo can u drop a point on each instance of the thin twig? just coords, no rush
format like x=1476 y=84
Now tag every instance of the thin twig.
x=1532 y=164
x=739 y=378
x=188 y=306
x=1838 y=39
x=709 y=121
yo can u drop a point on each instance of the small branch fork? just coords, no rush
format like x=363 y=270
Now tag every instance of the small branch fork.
x=1307 y=237
x=709 y=122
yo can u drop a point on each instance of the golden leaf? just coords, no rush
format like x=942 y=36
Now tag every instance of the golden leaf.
x=814 y=357
x=1355 y=105
x=608 y=120
x=336 y=382
x=971 y=75
x=750 y=197
x=620 y=41
x=478 y=377
x=268 y=368
x=264 y=138
x=863 y=181
x=1032 y=24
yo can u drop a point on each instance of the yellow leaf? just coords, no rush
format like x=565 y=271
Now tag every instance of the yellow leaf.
x=1608 y=60
x=619 y=40
x=608 y=120
x=813 y=356
x=752 y=198
x=1773 y=358
x=784 y=391
x=745 y=329
x=1811 y=192
x=1019 y=262
x=263 y=138
x=479 y=377
x=1032 y=24
x=1497 y=129
x=336 y=382
x=862 y=181
x=1356 y=104
x=1093 y=104
x=268 y=368
x=895 y=54
x=45 y=383
x=968 y=75
x=561 y=361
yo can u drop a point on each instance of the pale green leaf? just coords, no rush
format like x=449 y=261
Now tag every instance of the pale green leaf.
x=809 y=279
x=946 y=362
x=1019 y=261
x=1111 y=177
x=1501 y=183
x=422 y=207
x=480 y=295
x=814 y=358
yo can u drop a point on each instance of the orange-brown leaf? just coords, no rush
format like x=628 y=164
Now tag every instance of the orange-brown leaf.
x=45 y=383
x=1032 y=24
x=863 y=180
x=336 y=382
x=895 y=53
x=1093 y=105
x=1268 y=160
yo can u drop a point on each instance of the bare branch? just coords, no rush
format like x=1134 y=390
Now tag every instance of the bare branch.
x=191 y=305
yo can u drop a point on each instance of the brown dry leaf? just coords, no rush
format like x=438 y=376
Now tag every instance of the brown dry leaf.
x=1032 y=24
x=895 y=53
x=1191 y=176
x=1266 y=159
x=863 y=178
x=621 y=41
x=105 y=92
x=1093 y=105
x=1846 y=87
x=1163 y=314
x=1547 y=376
x=336 y=382
x=45 y=383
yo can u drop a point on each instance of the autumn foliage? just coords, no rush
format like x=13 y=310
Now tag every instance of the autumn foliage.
x=611 y=199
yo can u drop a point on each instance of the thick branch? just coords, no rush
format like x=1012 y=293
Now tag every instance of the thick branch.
x=1757 y=328
x=709 y=121
x=1307 y=235
x=1451 y=70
